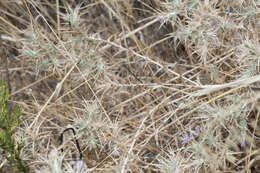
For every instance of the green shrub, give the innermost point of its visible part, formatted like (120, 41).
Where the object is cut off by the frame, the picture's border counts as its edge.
(9, 121)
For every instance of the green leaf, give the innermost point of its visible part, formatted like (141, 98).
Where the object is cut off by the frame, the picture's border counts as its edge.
(9, 121)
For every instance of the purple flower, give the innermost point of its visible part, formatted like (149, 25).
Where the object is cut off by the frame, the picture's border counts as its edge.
(198, 130)
(187, 139)
(243, 144)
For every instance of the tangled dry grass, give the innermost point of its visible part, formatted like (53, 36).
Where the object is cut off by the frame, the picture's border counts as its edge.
(150, 86)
